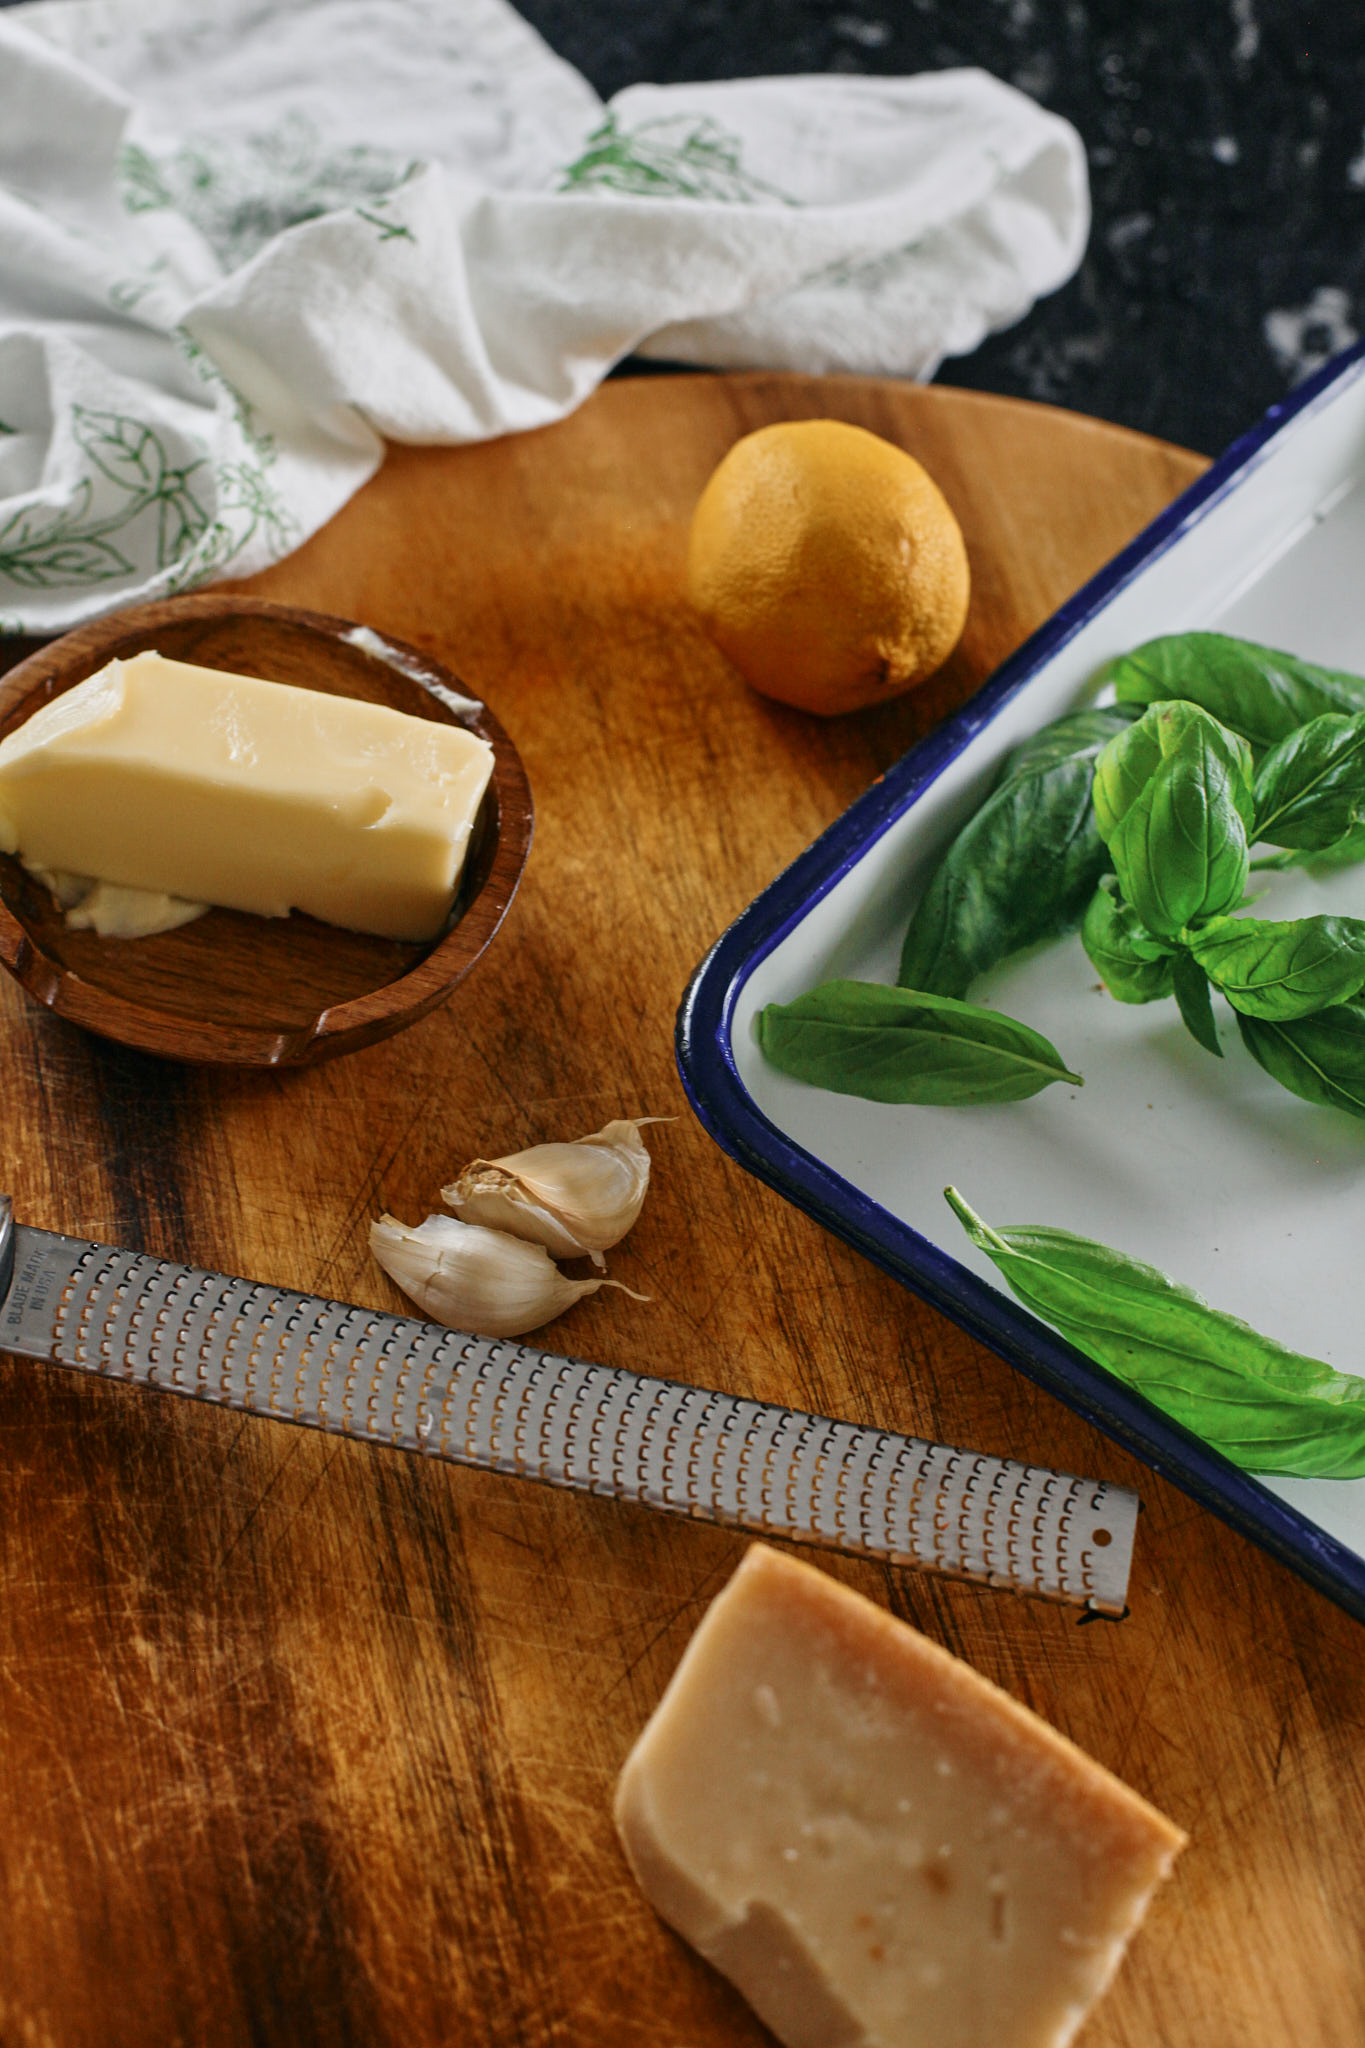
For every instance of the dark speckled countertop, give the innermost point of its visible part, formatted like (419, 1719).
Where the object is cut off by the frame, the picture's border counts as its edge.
(1227, 162)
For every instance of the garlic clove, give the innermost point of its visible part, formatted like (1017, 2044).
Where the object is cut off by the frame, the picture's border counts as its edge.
(476, 1279)
(573, 1198)
(487, 1194)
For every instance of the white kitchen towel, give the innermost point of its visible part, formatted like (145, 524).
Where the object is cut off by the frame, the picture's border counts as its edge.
(244, 242)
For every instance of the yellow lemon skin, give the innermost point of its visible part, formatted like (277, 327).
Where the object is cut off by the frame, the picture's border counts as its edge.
(826, 564)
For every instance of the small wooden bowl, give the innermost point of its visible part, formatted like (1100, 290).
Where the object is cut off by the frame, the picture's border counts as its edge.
(240, 991)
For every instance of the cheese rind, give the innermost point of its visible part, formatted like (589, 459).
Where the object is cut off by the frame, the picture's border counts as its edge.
(875, 1844)
(258, 796)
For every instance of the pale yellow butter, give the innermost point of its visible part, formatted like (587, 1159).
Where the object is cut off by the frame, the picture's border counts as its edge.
(225, 789)
(114, 912)
(880, 1848)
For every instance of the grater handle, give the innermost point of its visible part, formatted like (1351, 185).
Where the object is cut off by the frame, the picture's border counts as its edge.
(512, 1408)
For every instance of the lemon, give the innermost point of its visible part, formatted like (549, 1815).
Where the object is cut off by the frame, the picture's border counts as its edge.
(826, 564)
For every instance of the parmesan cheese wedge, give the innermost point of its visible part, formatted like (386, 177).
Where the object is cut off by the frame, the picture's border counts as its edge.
(875, 1844)
(216, 788)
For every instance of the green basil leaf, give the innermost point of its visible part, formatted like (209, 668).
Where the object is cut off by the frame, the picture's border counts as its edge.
(1321, 1058)
(1347, 850)
(1077, 732)
(1134, 966)
(1132, 758)
(1267, 1408)
(1327, 860)
(1180, 850)
(1280, 972)
(905, 1045)
(1310, 789)
(1023, 868)
(1257, 691)
(1190, 985)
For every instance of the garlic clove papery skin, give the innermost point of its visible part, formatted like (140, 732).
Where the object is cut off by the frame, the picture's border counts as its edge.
(573, 1198)
(476, 1279)
(495, 1198)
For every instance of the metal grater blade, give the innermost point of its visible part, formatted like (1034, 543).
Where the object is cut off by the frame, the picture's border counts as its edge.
(512, 1408)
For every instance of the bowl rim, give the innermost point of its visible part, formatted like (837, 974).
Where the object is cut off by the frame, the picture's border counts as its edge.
(341, 1027)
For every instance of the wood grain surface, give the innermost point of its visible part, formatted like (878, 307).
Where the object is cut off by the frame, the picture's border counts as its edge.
(305, 1742)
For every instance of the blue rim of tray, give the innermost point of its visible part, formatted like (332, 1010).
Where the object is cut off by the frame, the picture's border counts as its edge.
(729, 1113)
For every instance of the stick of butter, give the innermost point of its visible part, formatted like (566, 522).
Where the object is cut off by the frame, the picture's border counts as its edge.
(876, 1845)
(219, 788)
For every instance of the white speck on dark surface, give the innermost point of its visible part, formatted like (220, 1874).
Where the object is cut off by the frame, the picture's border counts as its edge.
(1355, 169)
(1037, 77)
(869, 35)
(1303, 338)
(1248, 39)
(1129, 228)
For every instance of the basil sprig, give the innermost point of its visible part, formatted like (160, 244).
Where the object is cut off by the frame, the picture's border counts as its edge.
(1023, 867)
(1267, 1408)
(1134, 822)
(907, 1045)
(1135, 755)
(1173, 802)
(1257, 691)
(1177, 800)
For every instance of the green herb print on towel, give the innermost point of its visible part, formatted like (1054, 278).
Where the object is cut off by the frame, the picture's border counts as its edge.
(45, 547)
(241, 195)
(677, 156)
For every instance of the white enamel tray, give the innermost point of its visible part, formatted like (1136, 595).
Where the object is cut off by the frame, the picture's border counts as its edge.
(1206, 1169)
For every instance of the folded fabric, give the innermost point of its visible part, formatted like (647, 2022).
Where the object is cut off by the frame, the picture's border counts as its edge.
(241, 247)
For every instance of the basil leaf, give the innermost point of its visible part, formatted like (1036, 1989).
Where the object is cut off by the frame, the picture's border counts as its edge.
(1342, 853)
(1053, 744)
(1267, 1408)
(1191, 989)
(1310, 789)
(1023, 868)
(1132, 758)
(1280, 972)
(1347, 850)
(1134, 967)
(905, 1045)
(1258, 691)
(1180, 848)
(1321, 1058)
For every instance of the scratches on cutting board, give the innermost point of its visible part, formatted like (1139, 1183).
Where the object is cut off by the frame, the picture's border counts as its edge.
(148, 1114)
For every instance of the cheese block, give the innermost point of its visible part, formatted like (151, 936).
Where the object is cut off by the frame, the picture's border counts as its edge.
(226, 789)
(876, 1845)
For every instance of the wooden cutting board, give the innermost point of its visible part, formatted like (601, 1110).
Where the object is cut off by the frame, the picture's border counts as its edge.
(305, 1742)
